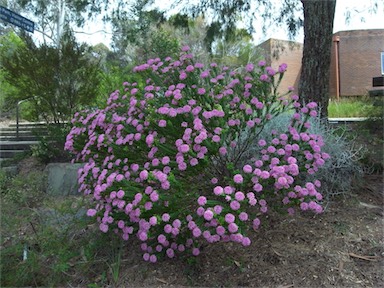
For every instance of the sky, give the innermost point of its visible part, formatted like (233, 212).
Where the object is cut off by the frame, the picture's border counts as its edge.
(360, 19)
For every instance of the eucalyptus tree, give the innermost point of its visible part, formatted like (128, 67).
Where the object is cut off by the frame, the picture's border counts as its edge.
(131, 24)
(53, 18)
(318, 32)
(316, 16)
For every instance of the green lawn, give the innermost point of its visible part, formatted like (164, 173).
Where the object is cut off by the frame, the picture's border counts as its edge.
(351, 108)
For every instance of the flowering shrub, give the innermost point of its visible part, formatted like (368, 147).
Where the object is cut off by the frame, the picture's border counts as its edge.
(168, 161)
(337, 174)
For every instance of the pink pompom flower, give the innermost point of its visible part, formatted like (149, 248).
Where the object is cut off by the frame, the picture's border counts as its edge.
(238, 178)
(202, 200)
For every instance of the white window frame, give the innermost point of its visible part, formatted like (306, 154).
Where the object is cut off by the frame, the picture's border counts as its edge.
(382, 63)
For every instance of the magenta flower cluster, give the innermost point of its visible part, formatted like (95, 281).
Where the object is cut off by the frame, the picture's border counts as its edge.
(162, 158)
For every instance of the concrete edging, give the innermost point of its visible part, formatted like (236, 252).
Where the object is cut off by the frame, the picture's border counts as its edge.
(62, 178)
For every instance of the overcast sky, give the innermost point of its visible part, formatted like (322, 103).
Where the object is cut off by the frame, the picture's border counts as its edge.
(360, 19)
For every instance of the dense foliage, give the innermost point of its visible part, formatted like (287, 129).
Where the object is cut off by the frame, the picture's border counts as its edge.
(170, 158)
(57, 82)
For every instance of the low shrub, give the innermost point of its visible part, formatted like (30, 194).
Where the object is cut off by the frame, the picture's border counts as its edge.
(4, 179)
(50, 145)
(337, 174)
(179, 158)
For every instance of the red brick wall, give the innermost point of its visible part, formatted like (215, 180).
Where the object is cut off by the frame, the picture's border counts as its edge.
(277, 52)
(359, 61)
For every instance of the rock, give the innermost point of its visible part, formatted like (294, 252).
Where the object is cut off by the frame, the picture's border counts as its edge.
(62, 179)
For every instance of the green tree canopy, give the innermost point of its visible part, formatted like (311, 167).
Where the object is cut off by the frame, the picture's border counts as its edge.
(317, 20)
(56, 81)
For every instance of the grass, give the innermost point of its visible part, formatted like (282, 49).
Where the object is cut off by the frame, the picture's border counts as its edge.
(370, 131)
(16, 158)
(46, 241)
(356, 107)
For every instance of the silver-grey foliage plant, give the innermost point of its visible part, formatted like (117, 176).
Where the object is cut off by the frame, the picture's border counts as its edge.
(337, 174)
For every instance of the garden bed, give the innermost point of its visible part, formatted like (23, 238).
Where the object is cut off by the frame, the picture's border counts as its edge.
(342, 247)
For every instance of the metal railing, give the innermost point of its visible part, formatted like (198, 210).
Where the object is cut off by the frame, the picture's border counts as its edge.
(18, 112)
(18, 116)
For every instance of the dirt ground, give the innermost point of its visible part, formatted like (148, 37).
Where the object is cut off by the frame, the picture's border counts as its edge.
(344, 247)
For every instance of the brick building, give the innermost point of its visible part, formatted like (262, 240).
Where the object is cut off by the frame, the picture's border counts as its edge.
(356, 52)
(276, 51)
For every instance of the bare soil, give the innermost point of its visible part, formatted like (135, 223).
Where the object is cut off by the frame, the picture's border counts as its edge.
(343, 247)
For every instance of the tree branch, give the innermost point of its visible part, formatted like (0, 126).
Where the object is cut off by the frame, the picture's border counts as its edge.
(91, 33)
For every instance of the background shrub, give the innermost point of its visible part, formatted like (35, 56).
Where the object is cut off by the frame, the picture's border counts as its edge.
(344, 165)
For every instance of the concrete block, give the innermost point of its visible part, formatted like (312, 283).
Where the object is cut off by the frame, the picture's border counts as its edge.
(62, 178)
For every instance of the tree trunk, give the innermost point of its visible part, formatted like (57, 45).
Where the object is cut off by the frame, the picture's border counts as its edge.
(60, 21)
(318, 31)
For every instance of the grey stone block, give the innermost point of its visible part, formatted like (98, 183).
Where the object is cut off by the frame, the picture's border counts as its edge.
(62, 179)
